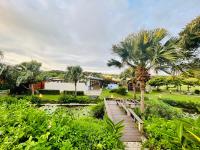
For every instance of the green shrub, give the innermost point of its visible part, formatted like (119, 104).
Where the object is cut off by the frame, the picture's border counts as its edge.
(165, 134)
(98, 110)
(196, 91)
(156, 108)
(50, 92)
(120, 90)
(78, 99)
(35, 100)
(188, 105)
(79, 93)
(25, 127)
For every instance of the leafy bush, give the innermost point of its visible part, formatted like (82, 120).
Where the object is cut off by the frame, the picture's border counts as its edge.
(35, 100)
(159, 109)
(196, 91)
(120, 90)
(98, 110)
(79, 93)
(165, 134)
(50, 92)
(26, 127)
(188, 105)
(78, 99)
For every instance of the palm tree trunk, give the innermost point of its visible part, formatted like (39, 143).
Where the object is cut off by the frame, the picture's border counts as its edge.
(75, 92)
(142, 90)
(188, 88)
(134, 89)
(32, 89)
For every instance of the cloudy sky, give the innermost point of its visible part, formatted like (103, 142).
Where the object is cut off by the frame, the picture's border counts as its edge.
(59, 33)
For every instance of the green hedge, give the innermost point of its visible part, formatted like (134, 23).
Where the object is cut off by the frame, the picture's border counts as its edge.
(188, 105)
(79, 93)
(120, 90)
(78, 99)
(50, 92)
(157, 108)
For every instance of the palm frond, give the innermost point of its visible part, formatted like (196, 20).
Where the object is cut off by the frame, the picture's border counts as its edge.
(114, 62)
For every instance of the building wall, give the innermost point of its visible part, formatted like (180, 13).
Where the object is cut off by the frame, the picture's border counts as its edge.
(65, 86)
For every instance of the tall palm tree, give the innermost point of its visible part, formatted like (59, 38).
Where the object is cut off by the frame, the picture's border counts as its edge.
(74, 73)
(144, 51)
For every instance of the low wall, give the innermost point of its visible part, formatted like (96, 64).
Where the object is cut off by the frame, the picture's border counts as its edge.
(65, 86)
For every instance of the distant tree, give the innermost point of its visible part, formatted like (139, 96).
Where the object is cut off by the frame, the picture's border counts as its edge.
(144, 51)
(190, 82)
(74, 74)
(28, 73)
(157, 81)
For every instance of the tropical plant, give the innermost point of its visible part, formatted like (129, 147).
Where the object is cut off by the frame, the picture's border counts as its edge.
(74, 74)
(144, 51)
(115, 128)
(186, 135)
(98, 110)
(22, 126)
(190, 38)
(28, 72)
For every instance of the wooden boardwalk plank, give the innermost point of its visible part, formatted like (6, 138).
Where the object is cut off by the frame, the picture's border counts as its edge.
(116, 114)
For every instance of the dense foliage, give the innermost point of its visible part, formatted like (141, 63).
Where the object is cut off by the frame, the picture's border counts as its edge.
(25, 127)
(163, 127)
(165, 134)
(160, 109)
(120, 90)
(189, 105)
(98, 110)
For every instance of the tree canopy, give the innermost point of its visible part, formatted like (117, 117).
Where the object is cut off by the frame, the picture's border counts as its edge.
(190, 37)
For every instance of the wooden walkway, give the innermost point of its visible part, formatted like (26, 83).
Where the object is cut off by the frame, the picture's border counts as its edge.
(116, 114)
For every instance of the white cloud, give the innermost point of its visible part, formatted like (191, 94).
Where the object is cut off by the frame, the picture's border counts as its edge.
(60, 33)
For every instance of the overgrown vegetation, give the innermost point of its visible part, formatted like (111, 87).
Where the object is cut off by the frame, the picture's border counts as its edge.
(187, 104)
(24, 127)
(120, 90)
(98, 110)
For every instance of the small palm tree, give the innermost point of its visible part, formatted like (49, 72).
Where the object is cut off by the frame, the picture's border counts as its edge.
(74, 73)
(129, 73)
(144, 51)
(28, 73)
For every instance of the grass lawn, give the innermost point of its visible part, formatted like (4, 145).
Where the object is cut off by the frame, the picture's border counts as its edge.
(106, 93)
(50, 97)
(174, 96)
(153, 95)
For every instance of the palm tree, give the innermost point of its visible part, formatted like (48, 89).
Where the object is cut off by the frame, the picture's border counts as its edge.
(28, 73)
(144, 51)
(129, 73)
(74, 73)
